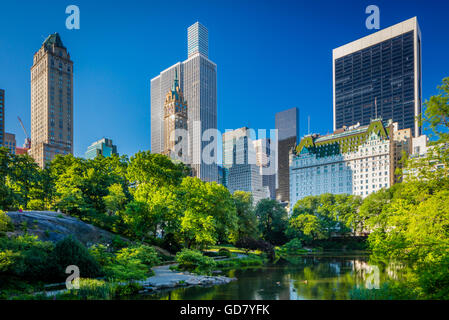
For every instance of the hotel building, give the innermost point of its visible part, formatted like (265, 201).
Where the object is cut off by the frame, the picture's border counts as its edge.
(356, 160)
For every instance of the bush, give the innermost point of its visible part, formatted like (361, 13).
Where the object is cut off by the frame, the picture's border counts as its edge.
(224, 252)
(293, 245)
(27, 257)
(194, 260)
(71, 252)
(253, 244)
(4, 221)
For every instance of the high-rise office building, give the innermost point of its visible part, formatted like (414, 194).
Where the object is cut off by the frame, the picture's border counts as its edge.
(103, 147)
(379, 76)
(2, 117)
(265, 158)
(10, 142)
(51, 101)
(239, 161)
(197, 40)
(287, 124)
(198, 82)
(175, 123)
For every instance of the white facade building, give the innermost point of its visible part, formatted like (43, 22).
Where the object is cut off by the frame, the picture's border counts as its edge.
(356, 160)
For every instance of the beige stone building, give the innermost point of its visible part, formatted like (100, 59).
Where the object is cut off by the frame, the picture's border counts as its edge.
(175, 123)
(51, 101)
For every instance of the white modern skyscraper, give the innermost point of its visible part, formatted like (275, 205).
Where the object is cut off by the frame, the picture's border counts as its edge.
(198, 81)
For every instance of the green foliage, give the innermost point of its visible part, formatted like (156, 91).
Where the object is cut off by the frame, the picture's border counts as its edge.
(131, 263)
(387, 291)
(320, 217)
(4, 221)
(71, 252)
(251, 261)
(247, 226)
(292, 246)
(194, 260)
(26, 257)
(272, 218)
(224, 252)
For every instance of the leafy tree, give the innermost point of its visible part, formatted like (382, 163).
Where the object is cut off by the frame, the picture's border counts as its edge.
(272, 218)
(198, 227)
(247, 221)
(223, 211)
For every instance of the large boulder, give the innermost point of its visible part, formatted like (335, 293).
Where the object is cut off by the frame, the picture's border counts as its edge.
(55, 226)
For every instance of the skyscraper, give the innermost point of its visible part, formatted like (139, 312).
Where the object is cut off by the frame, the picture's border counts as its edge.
(103, 147)
(2, 117)
(51, 101)
(239, 161)
(287, 124)
(198, 82)
(379, 76)
(175, 123)
(265, 157)
(10, 142)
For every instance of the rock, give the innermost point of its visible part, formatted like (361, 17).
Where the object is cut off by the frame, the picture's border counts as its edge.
(54, 226)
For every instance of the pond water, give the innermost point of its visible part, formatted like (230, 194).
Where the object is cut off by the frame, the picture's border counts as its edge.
(329, 276)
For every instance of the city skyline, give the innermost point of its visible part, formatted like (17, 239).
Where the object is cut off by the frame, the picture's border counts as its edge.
(230, 102)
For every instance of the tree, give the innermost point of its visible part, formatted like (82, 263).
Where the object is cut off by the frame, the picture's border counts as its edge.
(223, 211)
(247, 221)
(198, 227)
(272, 218)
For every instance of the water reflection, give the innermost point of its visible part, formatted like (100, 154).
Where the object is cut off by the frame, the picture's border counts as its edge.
(329, 277)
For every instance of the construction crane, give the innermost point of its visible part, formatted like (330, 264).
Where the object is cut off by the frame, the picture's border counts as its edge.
(27, 138)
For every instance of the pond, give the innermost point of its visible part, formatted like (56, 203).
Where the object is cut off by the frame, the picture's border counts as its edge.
(327, 276)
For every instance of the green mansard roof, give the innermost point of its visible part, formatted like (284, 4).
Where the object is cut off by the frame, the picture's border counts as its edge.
(53, 39)
(342, 141)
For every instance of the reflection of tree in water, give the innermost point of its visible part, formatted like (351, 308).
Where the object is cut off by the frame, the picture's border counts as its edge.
(327, 278)
(307, 277)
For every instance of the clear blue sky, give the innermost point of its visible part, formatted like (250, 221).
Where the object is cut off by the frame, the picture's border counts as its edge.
(271, 55)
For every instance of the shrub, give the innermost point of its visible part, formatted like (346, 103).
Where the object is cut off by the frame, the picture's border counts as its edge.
(71, 252)
(293, 245)
(194, 260)
(4, 221)
(224, 252)
(253, 244)
(36, 204)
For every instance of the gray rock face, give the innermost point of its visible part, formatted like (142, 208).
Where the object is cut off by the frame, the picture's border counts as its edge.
(54, 226)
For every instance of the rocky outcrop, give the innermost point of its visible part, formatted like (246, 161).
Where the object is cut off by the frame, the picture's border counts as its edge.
(55, 226)
(165, 278)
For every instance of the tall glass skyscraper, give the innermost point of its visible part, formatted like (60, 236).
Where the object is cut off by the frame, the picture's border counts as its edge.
(197, 40)
(379, 76)
(198, 81)
(287, 124)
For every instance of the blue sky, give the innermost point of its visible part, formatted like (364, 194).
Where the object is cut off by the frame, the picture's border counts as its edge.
(271, 55)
